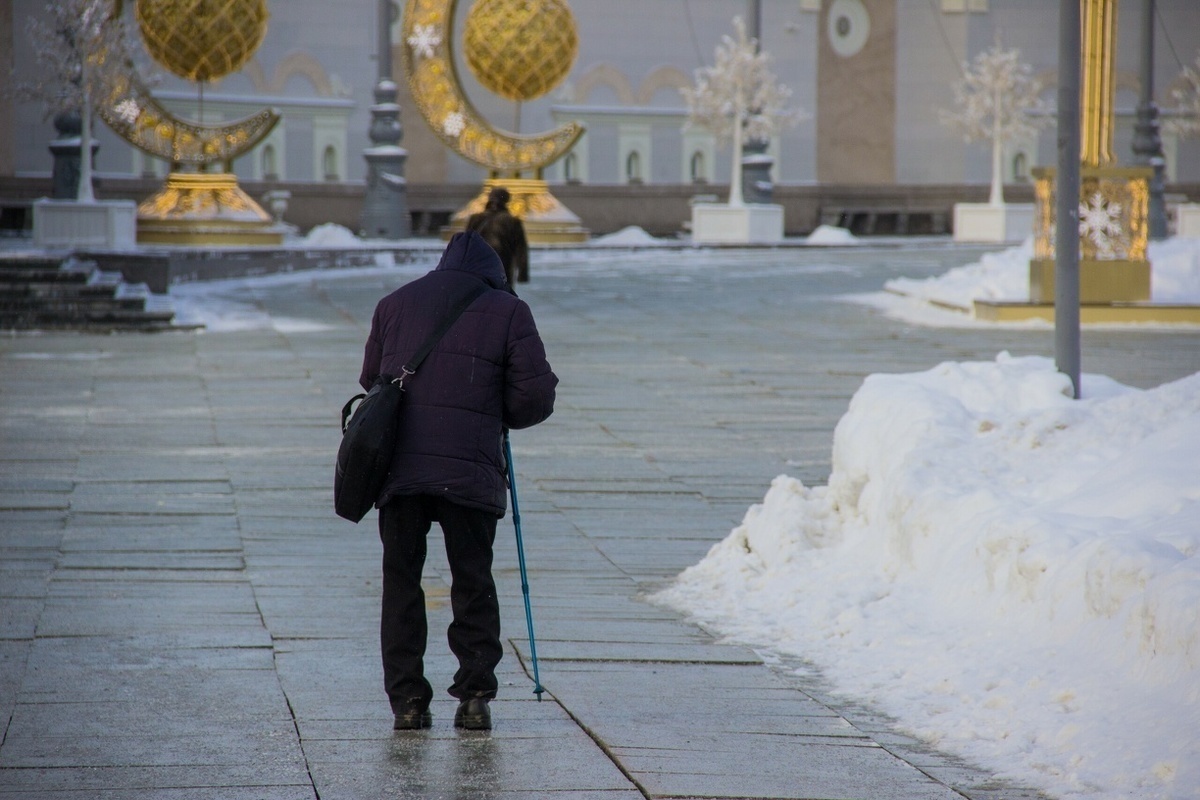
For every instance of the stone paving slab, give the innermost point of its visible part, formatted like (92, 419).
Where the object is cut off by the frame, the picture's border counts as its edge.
(182, 616)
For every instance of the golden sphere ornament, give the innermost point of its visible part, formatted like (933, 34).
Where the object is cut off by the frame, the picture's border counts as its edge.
(202, 40)
(520, 49)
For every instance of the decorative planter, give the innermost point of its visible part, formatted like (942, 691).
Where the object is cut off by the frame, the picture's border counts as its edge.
(754, 223)
(983, 222)
(107, 224)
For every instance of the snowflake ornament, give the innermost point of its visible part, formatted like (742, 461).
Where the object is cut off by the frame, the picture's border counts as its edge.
(128, 110)
(454, 123)
(424, 41)
(1100, 223)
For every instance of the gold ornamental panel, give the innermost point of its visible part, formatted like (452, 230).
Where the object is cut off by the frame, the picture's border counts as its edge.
(1113, 213)
(427, 33)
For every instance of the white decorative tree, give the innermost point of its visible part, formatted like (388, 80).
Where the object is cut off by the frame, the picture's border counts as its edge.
(738, 98)
(73, 43)
(1185, 118)
(995, 100)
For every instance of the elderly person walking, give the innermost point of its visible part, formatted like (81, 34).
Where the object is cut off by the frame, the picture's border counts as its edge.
(487, 373)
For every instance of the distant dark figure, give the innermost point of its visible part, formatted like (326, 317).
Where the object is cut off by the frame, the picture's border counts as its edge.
(504, 233)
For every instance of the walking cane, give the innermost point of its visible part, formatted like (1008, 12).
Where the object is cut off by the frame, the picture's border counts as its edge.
(512, 488)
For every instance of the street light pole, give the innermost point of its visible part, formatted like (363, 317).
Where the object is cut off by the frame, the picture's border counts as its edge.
(385, 205)
(1147, 143)
(756, 163)
(1066, 268)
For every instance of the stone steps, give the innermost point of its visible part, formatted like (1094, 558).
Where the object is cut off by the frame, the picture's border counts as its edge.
(46, 292)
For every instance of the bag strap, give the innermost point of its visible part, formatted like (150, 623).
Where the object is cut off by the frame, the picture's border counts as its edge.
(450, 318)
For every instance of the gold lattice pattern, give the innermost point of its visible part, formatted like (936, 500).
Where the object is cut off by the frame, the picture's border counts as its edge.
(202, 40)
(520, 49)
(1113, 221)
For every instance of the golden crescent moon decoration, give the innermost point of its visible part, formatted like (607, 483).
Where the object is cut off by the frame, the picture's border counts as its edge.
(427, 37)
(127, 106)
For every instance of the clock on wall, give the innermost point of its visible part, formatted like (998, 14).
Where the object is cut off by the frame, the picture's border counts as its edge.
(848, 26)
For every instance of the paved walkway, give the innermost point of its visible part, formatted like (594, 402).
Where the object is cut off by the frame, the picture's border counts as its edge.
(182, 616)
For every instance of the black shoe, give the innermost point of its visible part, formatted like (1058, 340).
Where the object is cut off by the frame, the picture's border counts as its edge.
(473, 714)
(413, 718)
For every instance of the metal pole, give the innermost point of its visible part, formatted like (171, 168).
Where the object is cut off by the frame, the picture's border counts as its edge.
(385, 40)
(1066, 265)
(1147, 143)
(756, 164)
(512, 488)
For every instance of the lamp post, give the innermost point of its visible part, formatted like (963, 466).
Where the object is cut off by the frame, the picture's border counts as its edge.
(756, 163)
(1147, 143)
(385, 207)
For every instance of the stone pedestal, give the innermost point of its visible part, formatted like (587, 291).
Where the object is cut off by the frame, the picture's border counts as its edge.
(1187, 220)
(202, 208)
(103, 224)
(718, 223)
(984, 222)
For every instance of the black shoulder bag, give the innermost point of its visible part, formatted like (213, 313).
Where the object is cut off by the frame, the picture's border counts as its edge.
(369, 436)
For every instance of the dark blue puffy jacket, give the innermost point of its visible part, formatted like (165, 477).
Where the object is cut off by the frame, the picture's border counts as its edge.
(488, 372)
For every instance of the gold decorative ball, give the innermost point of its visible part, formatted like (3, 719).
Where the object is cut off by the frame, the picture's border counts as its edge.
(520, 49)
(202, 40)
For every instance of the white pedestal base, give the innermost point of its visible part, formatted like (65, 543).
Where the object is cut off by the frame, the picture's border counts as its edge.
(983, 222)
(1187, 220)
(756, 223)
(108, 224)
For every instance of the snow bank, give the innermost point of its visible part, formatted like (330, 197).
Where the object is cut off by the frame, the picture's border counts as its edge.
(1004, 275)
(631, 235)
(331, 234)
(996, 276)
(828, 234)
(1013, 574)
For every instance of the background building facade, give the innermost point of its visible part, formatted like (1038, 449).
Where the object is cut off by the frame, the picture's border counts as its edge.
(870, 76)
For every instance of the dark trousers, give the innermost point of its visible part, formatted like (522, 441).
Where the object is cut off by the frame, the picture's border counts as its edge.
(474, 635)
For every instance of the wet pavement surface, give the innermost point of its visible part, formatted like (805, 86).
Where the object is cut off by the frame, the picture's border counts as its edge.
(183, 616)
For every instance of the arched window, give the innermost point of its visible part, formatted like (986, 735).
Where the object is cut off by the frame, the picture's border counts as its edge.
(329, 160)
(1021, 167)
(571, 168)
(270, 168)
(633, 167)
(699, 173)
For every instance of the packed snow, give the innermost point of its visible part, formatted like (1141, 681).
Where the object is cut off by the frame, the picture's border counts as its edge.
(1012, 574)
(829, 234)
(1004, 276)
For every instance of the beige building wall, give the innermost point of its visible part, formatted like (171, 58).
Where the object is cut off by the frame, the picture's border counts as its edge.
(856, 92)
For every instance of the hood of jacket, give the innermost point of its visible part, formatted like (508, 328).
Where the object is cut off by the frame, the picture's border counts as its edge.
(470, 252)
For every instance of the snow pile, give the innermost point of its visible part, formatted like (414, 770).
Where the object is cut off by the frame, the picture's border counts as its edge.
(1175, 271)
(996, 276)
(331, 234)
(1004, 275)
(631, 235)
(1012, 574)
(828, 234)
